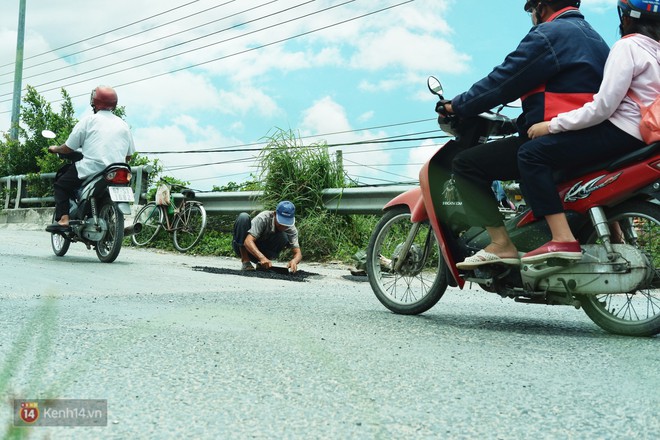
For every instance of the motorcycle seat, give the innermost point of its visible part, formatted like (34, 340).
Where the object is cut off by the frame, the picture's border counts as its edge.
(609, 165)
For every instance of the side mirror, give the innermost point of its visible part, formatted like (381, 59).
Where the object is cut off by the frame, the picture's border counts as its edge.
(434, 86)
(48, 134)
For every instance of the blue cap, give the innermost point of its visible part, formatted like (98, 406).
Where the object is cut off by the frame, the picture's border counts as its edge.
(285, 213)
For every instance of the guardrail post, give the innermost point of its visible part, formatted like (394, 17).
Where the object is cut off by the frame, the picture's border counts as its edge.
(19, 192)
(8, 194)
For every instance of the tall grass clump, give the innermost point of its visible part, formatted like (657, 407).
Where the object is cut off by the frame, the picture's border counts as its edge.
(289, 170)
(292, 171)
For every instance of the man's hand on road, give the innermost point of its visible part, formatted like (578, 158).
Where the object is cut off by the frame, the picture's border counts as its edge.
(265, 263)
(293, 266)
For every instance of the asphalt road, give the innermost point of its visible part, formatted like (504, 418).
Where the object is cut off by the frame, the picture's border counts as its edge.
(183, 353)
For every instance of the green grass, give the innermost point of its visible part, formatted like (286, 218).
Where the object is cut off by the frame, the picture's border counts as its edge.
(289, 170)
(323, 237)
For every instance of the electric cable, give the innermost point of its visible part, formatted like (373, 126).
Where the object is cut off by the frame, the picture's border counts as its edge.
(229, 55)
(104, 33)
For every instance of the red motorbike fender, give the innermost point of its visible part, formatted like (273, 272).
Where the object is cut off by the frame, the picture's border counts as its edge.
(413, 199)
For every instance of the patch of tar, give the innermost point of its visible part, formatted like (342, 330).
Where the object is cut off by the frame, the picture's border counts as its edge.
(299, 276)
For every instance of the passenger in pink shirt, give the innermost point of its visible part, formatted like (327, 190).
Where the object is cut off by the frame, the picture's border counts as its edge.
(605, 128)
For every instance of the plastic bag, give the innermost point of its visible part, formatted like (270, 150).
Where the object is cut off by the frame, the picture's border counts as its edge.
(163, 194)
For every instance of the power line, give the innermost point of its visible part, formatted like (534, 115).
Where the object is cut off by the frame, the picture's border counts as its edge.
(342, 144)
(130, 36)
(312, 136)
(233, 54)
(190, 50)
(377, 169)
(106, 32)
(137, 57)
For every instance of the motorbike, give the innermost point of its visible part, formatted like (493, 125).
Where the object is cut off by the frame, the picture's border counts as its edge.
(97, 212)
(612, 207)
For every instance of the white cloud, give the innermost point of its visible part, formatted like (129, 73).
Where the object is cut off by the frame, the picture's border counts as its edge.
(202, 169)
(419, 155)
(400, 48)
(327, 116)
(599, 5)
(241, 93)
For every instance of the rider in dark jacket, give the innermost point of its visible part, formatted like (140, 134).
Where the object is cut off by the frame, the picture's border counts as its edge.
(557, 67)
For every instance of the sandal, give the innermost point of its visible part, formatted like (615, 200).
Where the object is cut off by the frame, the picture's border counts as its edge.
(483, 258)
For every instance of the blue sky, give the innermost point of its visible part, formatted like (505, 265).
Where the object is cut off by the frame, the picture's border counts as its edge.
(222, 75)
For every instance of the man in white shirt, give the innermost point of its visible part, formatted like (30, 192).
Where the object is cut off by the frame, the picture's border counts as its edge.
(102, 138)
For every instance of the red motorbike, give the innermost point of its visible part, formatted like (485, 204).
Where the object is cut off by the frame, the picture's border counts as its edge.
(612, 208)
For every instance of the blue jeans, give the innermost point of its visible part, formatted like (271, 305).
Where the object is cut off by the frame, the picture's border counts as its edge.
(539, 158)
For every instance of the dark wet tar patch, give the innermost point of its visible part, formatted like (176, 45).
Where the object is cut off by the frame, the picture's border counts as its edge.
(356, 278)
(300, 276)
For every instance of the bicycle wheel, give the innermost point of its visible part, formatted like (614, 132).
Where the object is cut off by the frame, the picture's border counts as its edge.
(151, 218)
(189, 226)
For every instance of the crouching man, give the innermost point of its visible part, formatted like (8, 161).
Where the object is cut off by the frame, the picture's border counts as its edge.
(262, 238)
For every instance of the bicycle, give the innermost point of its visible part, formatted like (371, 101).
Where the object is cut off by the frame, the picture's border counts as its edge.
(187, 225)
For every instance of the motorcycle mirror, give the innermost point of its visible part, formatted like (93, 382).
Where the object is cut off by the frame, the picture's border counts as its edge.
(48, 134)
(434, 85)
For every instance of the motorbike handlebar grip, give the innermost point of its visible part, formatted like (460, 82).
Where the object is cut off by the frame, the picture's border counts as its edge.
(440, 107)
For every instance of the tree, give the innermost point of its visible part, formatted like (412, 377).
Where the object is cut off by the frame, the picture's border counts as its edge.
(29, 154)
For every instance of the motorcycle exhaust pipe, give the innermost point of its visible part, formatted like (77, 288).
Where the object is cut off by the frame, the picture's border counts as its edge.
(133, 229)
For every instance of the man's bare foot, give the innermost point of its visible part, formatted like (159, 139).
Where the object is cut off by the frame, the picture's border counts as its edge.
(63, 221)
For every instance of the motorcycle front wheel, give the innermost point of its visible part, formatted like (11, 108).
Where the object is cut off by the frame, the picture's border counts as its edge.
(59, 243)
(421, 280)
(107, 249)
(636, 313)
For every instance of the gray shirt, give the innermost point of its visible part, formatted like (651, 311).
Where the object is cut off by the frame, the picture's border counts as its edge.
(263, 225)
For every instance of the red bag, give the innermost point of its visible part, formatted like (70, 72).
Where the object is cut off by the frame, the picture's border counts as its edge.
(649, 126)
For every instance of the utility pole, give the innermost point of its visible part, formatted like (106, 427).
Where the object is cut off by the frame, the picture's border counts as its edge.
(18, 73)
(339, 160)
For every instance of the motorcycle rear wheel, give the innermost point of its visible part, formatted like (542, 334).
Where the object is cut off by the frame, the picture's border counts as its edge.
(59, 243)
(631, 313)
(107, 249)
(421, 282)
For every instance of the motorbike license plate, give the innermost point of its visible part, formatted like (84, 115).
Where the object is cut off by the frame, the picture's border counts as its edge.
(121, 193)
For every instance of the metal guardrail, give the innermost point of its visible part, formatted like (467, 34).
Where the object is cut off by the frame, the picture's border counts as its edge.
(337, 200)
(20, 199)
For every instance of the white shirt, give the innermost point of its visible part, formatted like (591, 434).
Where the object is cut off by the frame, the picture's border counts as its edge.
(633, 63)
(103, 139)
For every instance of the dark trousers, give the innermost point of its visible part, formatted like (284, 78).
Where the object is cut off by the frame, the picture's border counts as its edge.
(540, 157)
(64, 189)
(474, 171)
(269, 244)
